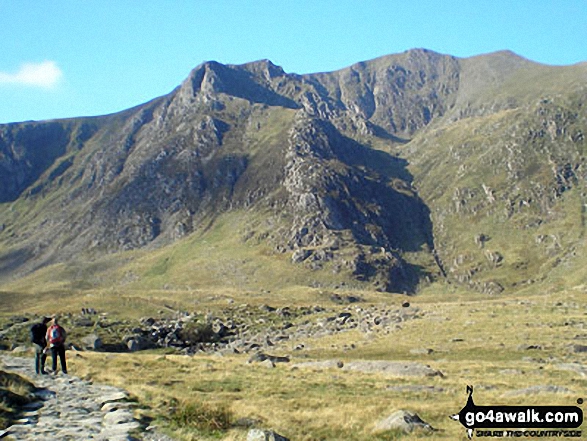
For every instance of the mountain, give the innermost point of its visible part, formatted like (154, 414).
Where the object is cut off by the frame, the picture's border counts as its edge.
(390, 174)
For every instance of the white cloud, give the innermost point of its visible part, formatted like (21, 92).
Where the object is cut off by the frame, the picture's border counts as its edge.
(46, 74)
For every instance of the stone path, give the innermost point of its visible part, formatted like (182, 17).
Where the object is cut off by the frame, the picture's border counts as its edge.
(73, 409)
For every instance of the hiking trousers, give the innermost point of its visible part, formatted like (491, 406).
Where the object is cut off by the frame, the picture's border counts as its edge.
(59, 351)
(40, 358)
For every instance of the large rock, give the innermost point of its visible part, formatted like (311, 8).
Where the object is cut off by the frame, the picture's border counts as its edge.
(264, 435)
(402, 420)
(579, 368)
(261, 357)
(92, 342)
(393, 368)
(539, 389)
(319, 365)
(138, 343)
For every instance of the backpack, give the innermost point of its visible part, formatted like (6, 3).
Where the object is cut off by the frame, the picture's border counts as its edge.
(56, 335)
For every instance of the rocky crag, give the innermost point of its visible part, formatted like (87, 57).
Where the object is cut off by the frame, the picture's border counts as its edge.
(392, 173)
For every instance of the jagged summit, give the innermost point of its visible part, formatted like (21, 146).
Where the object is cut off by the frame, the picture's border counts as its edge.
(388, 174)
(251, 81)
(264, 68)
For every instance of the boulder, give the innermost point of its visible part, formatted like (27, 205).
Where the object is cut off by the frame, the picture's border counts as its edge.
(525, 347)
(300, 255)
(421, 351)
(578, 368)
(404, 421)
(83, 322)
(318, 365)
(264, 435)
(91, 342)
(133, 345)
(539, 389)
(393, 368)
(261, 357)
(268, 364)
(147, 321)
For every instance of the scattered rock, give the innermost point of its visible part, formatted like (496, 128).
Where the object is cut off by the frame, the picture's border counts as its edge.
(540, 389)
(300, 255)
(138, 343)
(83, 322)
(111, 406)
(133, 345)
(511, 372)
(402, 420)
(341, 300)
(148, 321)
(575, 367)
(529, 347)
(264, 435)
(154, 435)
(326, 364)
(112, 394)
(415, 388)
(237, 330)
(421, 351)
(268, 363)
(261, 357)
(492, 287)
(92, 342)
(393, 368)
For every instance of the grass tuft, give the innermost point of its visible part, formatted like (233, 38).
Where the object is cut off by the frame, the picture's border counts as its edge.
(15, 392)
(210, 419)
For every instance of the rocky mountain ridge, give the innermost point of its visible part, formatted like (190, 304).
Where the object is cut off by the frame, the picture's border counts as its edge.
(367, 172)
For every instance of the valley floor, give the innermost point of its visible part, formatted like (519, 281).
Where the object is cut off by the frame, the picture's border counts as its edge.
(525, 350)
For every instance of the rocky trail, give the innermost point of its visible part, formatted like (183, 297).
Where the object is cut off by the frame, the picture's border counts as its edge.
(70, 408)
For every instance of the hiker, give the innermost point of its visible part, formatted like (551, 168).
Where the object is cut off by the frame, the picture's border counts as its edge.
(39, 340)
(56, 339)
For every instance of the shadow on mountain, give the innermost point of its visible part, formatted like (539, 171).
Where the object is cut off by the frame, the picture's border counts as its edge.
(380, 132)
(381, 185)
(14, 260)
(26, 152)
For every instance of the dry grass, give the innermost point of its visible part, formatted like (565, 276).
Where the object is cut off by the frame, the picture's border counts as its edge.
(479, 341)
(15, 391)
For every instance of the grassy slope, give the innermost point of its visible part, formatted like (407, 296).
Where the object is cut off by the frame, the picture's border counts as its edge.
(494, 173)
(215, 264)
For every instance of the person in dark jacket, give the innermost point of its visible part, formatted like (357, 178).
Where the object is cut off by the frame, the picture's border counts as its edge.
(39, 340)
(56, 339)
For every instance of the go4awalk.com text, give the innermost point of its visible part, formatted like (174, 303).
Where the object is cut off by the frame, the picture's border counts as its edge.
(528, 433)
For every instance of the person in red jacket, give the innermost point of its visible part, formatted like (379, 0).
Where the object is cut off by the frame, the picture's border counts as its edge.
(56, 339)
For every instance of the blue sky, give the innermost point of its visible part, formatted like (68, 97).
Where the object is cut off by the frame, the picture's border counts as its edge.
(65, 58)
